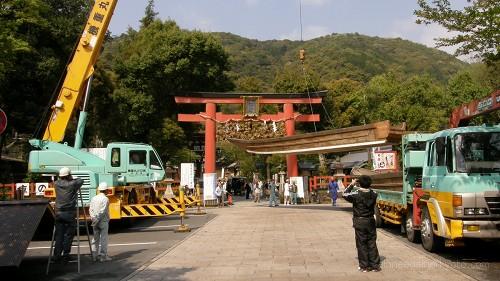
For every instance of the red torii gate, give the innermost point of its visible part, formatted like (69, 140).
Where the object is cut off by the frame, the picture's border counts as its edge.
(251, 103)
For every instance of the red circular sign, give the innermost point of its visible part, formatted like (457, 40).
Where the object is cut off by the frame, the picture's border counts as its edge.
(3, 121)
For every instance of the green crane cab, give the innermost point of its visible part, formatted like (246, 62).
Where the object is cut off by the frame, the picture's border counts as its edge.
(119, 164)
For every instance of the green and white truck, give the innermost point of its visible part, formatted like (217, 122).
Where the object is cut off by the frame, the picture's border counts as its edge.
(448, 189)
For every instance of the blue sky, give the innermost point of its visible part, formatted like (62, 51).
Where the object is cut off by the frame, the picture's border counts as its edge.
(279, 19)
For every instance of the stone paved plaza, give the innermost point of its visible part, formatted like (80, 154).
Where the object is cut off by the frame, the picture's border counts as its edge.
(254, 242)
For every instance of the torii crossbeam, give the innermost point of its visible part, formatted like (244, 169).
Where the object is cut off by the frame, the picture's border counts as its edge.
(251, 103)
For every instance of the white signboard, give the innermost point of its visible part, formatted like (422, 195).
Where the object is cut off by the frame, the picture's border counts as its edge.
(299, 181)
(385, 160)
(187, 175)
(25, 186)
(209, 182)
(40, 188)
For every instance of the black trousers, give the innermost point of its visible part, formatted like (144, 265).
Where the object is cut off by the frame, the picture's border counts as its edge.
(366, 242)
(65, 232)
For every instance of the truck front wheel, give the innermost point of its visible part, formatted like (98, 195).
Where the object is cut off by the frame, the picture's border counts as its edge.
(430, 241)
(411, 234)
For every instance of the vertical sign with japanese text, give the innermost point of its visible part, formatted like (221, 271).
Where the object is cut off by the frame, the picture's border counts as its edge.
(187, 175)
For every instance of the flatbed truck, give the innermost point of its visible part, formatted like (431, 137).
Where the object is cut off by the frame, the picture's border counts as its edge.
(448, 189)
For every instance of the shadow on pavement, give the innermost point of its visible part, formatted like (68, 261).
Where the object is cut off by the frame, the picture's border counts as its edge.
(323, 207)
(125, 261)
(35, 266)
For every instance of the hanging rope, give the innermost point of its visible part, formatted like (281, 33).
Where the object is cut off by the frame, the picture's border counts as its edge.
(308, 93)
(300, 18)
(302, 57)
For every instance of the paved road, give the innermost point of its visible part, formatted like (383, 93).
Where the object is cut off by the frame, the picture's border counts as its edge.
(130, 247)
(136, 245)
(254, 242)
(479, 259)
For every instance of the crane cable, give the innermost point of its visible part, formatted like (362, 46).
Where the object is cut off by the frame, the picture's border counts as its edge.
(306, 76)
(302, 57)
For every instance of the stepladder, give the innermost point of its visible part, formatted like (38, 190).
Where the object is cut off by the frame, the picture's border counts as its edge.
(66, 226)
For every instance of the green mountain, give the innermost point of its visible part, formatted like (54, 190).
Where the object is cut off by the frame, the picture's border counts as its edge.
(336, 56)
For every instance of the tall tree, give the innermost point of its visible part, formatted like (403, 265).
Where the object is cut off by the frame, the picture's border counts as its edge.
(462, 88)
(149, 14)
(36, 39)
(477, 26)
(150, 66)
(340, 104)
(293, 79)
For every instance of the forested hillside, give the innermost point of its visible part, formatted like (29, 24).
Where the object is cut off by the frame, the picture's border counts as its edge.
(354, 56)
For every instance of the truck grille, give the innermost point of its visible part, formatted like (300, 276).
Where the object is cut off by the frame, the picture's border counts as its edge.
(493, 205)
(85, 188)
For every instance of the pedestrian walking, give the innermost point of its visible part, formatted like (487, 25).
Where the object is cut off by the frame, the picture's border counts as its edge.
(99, 214)
(333, 189)
(293, 193)
(224, 190)
(363, 201)
(273, 201)
(260, 184)
(67, 189)
(248, 190)
(286, 192)
(218, 194)
(257, 192)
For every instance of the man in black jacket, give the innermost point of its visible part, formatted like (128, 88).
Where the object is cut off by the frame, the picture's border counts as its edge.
(363, 201)
(66, 199)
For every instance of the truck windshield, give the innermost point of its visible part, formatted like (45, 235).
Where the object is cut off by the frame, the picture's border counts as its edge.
(478, 152)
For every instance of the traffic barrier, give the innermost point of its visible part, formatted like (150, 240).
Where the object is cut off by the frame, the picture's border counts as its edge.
(188, 200)
(199, 211)
(147, 210)
(183, 227)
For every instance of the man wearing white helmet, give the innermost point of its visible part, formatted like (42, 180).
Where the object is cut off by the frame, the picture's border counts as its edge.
(99, 213)
(66, 199)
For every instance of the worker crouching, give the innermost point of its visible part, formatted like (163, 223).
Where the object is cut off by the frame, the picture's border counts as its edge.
(363, 201)
(99, 214)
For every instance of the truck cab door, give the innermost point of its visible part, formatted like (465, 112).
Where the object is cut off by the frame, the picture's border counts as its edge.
(137, 165)
(435, 168)
(116, 159)
(156, 171)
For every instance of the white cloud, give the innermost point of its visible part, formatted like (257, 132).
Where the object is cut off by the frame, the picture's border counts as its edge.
(309, 32)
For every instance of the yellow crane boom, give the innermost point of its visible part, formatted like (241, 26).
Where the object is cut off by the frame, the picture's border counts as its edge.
(80, 69)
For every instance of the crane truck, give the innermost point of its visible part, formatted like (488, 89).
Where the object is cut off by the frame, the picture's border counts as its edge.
(450, 188)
